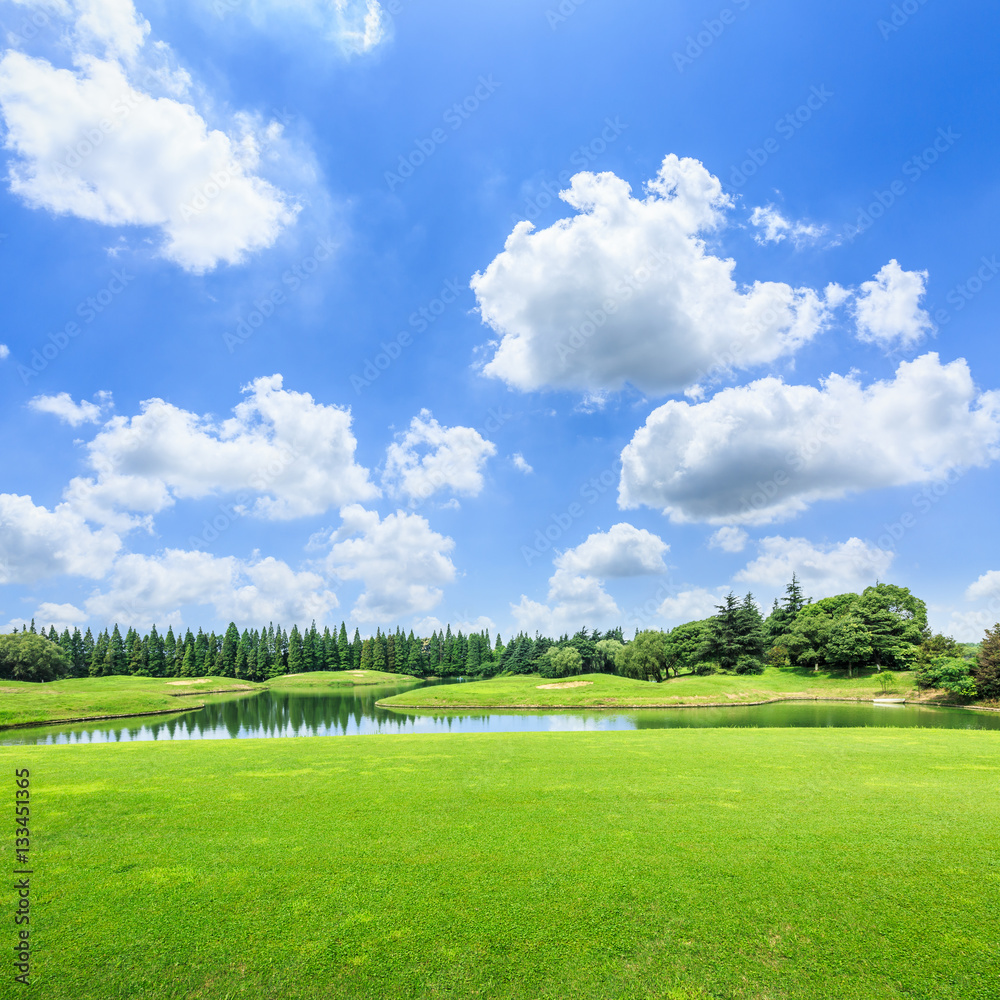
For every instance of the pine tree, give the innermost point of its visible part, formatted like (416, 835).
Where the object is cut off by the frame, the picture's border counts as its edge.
(310, 659)
(794, 600)
(227, 667)
(115, 661)
(172, 668)
(188, 667)
(378, 652)
(241, 667)
(79, 653)
(390, 654)
(415, 659)
(473, 658)
(202, 658)
(157, 659)
(366, 654)
(265, 660)
(137, 657)
(356, 650)
(88, 651)
(295, 659)
(344, 648)
(96, 665)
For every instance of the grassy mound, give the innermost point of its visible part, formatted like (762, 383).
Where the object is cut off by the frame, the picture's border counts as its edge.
(608, 691)
(659, 864)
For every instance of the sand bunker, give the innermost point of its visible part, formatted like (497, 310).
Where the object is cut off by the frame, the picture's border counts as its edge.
(204, 680)
(568, 684)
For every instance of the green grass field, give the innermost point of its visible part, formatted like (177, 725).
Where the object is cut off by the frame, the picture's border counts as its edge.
(608, 691)
(767, 864)
(23, 703)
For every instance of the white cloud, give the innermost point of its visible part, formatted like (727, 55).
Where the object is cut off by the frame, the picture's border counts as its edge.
(988, 585)
(429, 457)
(693, 605)
(767, 450)
(147, 589)
(621, 552)
(626, 291)
(60, 615)
(356, 26)
(426, 626)
(729, 539)
(69, 412)
(36, 543)
(294, 455)
(823, 569)
(775, 227)
(887, 310)
(4, 352)
(573, 602)
(521, 464)
(400, 560)
(89, 142)
(969, 626)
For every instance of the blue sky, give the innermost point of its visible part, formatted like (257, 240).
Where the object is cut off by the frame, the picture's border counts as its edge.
(297, 326)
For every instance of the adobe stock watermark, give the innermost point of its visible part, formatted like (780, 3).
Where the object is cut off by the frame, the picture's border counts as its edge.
(899, 16)
(229, 513)
(217, 182)
(922, 503)
(262, 309)
(88, 310)
(560, 522)
(711, 30)
(31, 27)
(598, 317)
(563, 12)
(913, 170)
(767, 490)
(786, 127)
(420, 321)
(454, 118)
(582, 158)
(91, 139)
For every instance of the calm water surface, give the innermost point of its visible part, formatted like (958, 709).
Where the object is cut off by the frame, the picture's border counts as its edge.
(352, 711)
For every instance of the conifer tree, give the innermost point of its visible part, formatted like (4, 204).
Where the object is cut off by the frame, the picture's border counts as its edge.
(366, 654)
(378, 652)
(170, 653)
(188, 668)
(356, 649)
(157, 659)
(295, 659)
(115, 661)
(344, 648)
(227, 665)
(100, 654)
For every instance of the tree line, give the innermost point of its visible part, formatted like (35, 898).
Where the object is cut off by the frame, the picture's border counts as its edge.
(884, 627)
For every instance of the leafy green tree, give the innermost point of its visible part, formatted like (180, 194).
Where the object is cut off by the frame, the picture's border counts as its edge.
(25, 656)
(949, 673)
(607, 652)
(561, 661)
(986, 672)
(645, 657)
(850, 644)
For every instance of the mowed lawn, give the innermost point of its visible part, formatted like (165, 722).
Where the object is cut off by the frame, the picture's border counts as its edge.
(609, 691)
(823, 863)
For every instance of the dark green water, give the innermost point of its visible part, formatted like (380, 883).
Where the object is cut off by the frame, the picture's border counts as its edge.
(352, 711)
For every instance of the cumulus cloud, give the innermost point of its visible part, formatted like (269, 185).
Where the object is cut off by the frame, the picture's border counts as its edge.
(36, 542)
(521, 464)
(573, 601)
(147, 589)
(823, 569)
(400, 560)
(626, 291)
(766, 451)
(887, 310)
(987, 586)
(88, 141)
(60, 615)
(576, 595)
(729, 539)
(294, 455)
(774, 228)
(429, 457)
(355, 26)
(692, 605)
(68, 411)
(622, 551)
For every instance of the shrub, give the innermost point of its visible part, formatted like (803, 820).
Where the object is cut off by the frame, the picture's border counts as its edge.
(25, 656)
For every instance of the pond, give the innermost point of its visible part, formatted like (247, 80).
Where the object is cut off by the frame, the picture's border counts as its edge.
(352, 711)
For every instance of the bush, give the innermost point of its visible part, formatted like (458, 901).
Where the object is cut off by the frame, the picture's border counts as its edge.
(949, 673)
(25, 656)
(749, 665)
